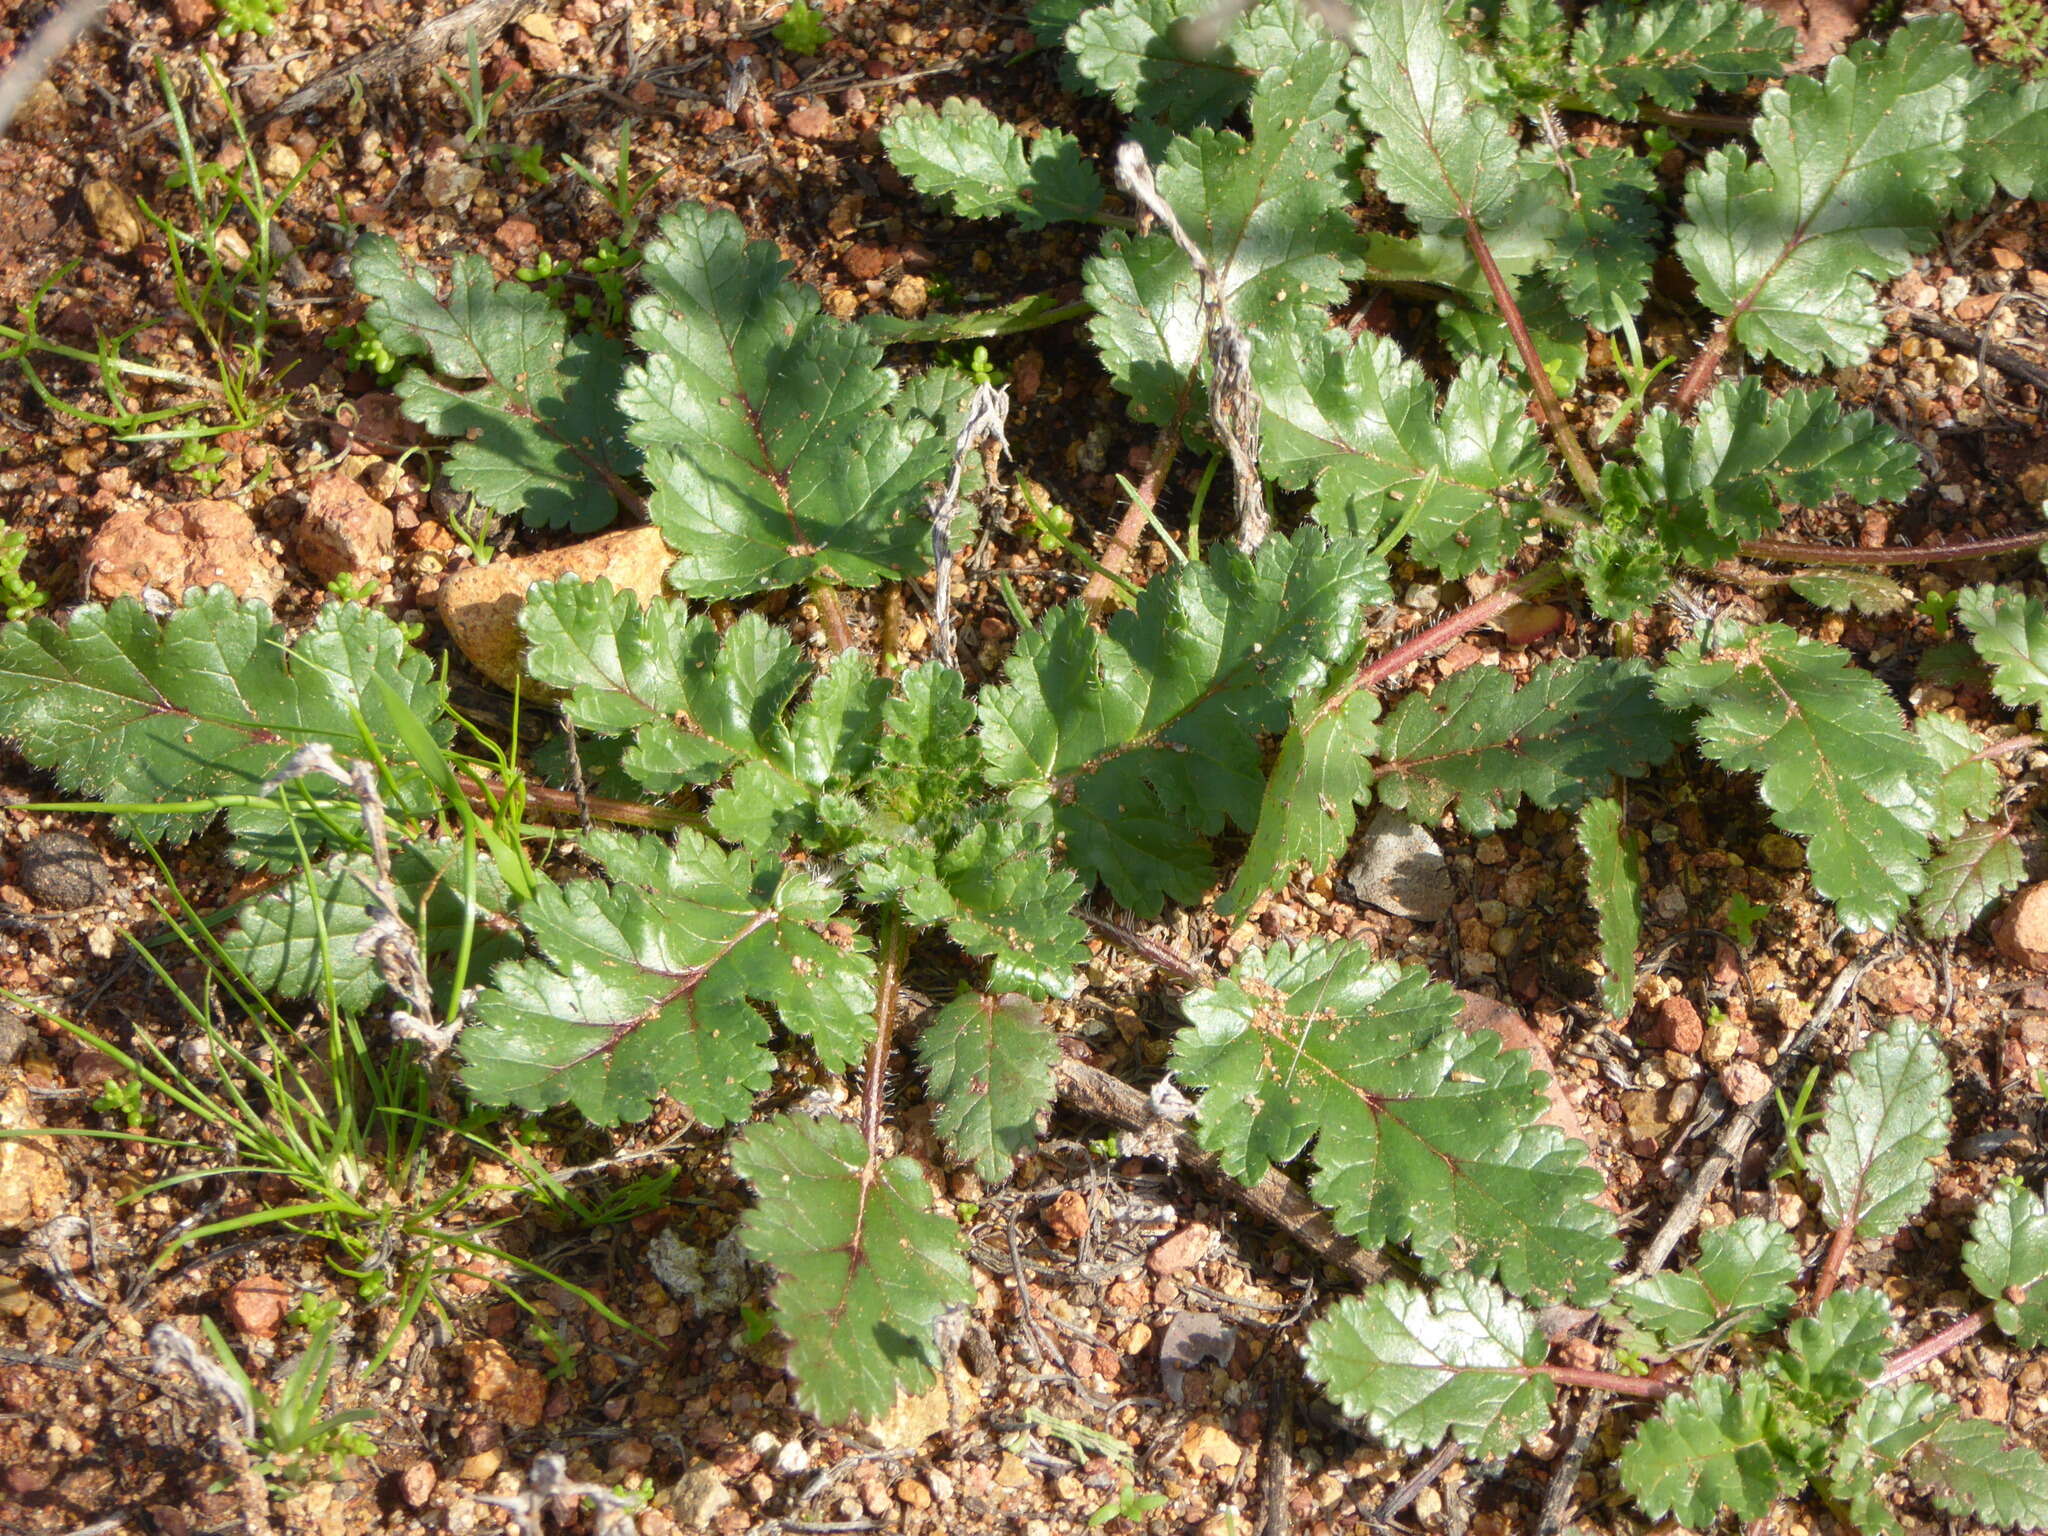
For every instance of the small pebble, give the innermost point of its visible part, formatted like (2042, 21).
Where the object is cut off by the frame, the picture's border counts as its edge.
(63, 870)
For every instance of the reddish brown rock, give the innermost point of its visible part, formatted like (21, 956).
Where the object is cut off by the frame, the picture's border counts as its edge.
(1744, 1082)
(173, 548)
(255, 1306)
(1066, 1217)
(345, 530)
(1677, 1027)
(2021, 930)
(513, 1393)
(812, 122)
(1184, 1250)
(518, 237)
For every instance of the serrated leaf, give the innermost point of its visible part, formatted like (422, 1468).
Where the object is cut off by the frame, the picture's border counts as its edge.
(988, 1068)
(2010, 631)
(1850, 590)
(1444, 152)
(1839, 767)
(1423, 1134)
(780, 450)
(967, 158)
(303, 936)
(1144, 738)
(1476, 333)
(1310, 808)
(1855, 176)
(537, 429)
(1601, 256)
(1132, 52)
(2008, 136)
(1712, 1451)
(1887, 1116)
(1969, 786)
(1832, 1356)
(1360, 422)
(1267, 212)
(1968, 1469)
(651, 985)
(2008, 1252)
(1670, 51)
(1708, 484)
(1886, 1423)
(1971, 871)
(1482, 744)
(864, 1266)
(210, 701)
(1614, 882)
(1415, 1366)
(1744, 1272)
(1625, 573)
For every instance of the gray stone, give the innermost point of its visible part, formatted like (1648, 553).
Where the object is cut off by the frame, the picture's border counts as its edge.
(63, 870)
(1401, 870)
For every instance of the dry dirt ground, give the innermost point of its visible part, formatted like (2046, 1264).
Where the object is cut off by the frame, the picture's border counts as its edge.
(1088, 1263)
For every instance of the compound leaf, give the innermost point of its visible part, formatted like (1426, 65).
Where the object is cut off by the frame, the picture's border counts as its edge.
(1671, 50)
(1968, 1469)
(1856, 174)
(1423, 1134)
(1832, 1356)
(1972, 870)
(1711, 1451)
(779, 447)
(1872, 1443)
(1601, 256)
(1614, 881)
(1483, 744)
(210, 701)
(1887, 1117)
(2010, 631)
(988, 1067)
(967, 158)
(864, 1265)
(1744, 1272)
(1414, 1366)
(1148, 732)
(1310, 808)
(1838, 765)
(651, 985)
(1359, 421)
(538, 430)
(2008, 1253)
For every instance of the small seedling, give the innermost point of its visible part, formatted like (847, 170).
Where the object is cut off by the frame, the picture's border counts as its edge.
(1743, 916)
(1127, 1504)
(19, 597)
(802, 29)
(123, 1096)
(256, 16)
(1796, 1117)
(355, 586)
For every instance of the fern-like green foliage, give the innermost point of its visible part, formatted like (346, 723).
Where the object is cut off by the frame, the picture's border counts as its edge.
(212, 701)
(1668, 51)
(1423, 1134)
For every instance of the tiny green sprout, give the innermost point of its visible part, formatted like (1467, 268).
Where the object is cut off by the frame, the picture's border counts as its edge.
(19, 597)
(755, 1325)
(354, 587)
(201, 459)
(364, 348)
(529, 161)
(967, 1209)
(1938, 609)
(1743, 916)
(314, 1310)
(802, 29)
(257, 16)
(123, 1096)
(1127, 1504)
(1797, 1116)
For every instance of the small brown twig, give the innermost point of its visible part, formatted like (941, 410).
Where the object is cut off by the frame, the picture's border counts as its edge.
(1391, 1507)
(50, 43)
(1941, 554)
(2003, 359)
(1564, 1472)
(832, 617)
(1830, 1272)
(1933, 1347)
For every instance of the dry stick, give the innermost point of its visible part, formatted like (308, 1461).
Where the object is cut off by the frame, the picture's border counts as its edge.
(1564, 1472)
(1831, 1263)
(408, 55)
(1911, 1358)
(2006, 362)
(1411, 1490)
(48, 45)
(1584, 476)
(1944, 554)
(1735, 1135)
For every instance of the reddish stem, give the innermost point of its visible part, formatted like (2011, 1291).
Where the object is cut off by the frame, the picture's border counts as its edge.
(1935, 1345)
(895, 946)
(1700, 375)
(832, 618)
(1428, 642)
(1099, 591)
(1830, 1271)
(1942, 554)
(1608, 1381)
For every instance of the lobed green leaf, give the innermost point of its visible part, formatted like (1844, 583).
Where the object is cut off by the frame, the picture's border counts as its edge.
(967, 158)
(1711, 1451)
(2006, 1259)
(988, 1068)
(1614, 882)
(1669, 51)
(1887, 1117)
(2010, 631)
(1969, 1470)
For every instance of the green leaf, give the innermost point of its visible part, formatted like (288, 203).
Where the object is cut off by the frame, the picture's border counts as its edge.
(1144, 739)
(1969, 787)
(1708, 484)
(1712, 1451)
(538, 430)
(1744, 1273)
(210, 701)
(1144, 55)
(2010, 631)
(1669, 51)
(988, 1066)
(779, 448)
(1309, 810)
(1414, 1366)
(964, 156)
(1601, 256)
(278, 944)
(1967, 1468)
(1856, 175)
(1848, 589)
(1972, 870)
(1872, 1443)
(1269, 213)
(1444, 152)
(1614, 881)
(1423, 1134)
(864, 1266)
(1483, 744)
(650, 985)
(1838, 765)
(1831, 1357)
(2008, 136)
(1360, 422)
(2008, 1252)
(1887, 1117)
(1625, 574)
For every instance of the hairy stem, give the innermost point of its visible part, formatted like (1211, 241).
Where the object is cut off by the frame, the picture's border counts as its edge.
(561, 802)
(1830, 1271)
(1584, 476)
(832, 617)
(1144, 505)
(1445, 632)
(1933, 1347)
(894, 949)
(1700, 376)
(1944, 554)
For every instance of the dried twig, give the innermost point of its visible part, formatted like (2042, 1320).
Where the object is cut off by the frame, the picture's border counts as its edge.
(988, 413)
(173, 1352)
(48, 45)
(549, 1480)
(407, 55)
